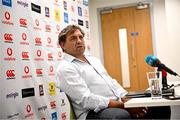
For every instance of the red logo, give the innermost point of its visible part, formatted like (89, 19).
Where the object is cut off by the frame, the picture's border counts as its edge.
(9, 51)
(57, 27)
(38, 41)
(53, 104)
(48, 28)
(49, 40)
(10, 74)
(37, 22)
(50, 56)
(8, 37)
(24, 36)
(59, 54)
(38, 53)
(51, 69)
(26, 69)
(39, 71)
(7, 15)
(23, 22)
(63, 116)
(28, 108)
(25, 55)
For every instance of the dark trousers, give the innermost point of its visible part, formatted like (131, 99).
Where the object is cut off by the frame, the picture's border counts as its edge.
(118, 113)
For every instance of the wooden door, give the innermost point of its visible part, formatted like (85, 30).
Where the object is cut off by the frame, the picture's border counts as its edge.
(137, 23)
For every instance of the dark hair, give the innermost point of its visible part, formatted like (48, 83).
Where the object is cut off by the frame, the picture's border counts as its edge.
(68, 30)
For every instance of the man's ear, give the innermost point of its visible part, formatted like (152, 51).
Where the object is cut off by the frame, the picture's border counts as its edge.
(62, 45)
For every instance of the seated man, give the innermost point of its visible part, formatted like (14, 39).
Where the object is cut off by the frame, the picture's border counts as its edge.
(93, 93)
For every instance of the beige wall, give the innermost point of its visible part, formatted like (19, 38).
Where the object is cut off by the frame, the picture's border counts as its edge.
(165, 28)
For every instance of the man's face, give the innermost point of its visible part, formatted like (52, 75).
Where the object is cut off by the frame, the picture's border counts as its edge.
(74, 44)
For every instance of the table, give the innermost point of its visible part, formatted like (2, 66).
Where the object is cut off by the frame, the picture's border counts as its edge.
(148, 101)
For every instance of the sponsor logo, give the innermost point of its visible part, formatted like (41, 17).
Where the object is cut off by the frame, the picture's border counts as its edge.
(52, 90)
(57, 15)
(12, 95)
(63, 102)
(49, 42)
(35, 8)
(38, 41)
(23, 22)
(66, 19)
(57, 29)
(25, 55)
(22, 3)
(73, 20)
(7, 3)
(26, 71)
(48, 28)
(54, 116)
(43, 118)
(8, 38)
(63, 116)
(13, 116)
(7, 17)
(50, 57)
(59, 56)
(86, 14)
(79, 11)
(56, 3)
(85, 2)
(51, 71)
(65, 5)
(41, 90)
(53, 104)
(29, 111)
(43, 108)
(79, 1)
(47, 13)
(28, 92)
(80, 22)
(24, 38)
(72, 9)
(39, 72)
(87, 24)
(37, 25)
(39, 57)
(9, 52)
(10, 74)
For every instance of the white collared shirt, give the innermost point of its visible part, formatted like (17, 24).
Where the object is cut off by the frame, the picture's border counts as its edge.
(88, 86)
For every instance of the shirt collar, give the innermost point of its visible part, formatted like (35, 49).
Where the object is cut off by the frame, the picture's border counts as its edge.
(70, 58)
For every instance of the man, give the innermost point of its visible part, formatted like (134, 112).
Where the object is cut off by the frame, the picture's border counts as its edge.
(93, 93)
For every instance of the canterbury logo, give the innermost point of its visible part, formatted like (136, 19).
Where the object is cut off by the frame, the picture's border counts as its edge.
(8, 37)
(25, 55)
(10, 73)
(50, 55)
(38, 40)
(23, 21)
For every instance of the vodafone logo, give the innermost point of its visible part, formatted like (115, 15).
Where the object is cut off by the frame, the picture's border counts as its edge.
(26, 69)
(51, 69)
(57, 27)
(10, 74)
(37, 22)
(28, 108)
(24, 36)
(8, 37)
(7, 15)
(9, 51)
(59, 54)
(38, 53)
(49, 40)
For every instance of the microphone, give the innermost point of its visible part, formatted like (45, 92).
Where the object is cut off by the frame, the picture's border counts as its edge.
(155, 62)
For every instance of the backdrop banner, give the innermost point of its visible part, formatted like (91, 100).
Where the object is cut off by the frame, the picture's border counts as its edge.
(30, 54)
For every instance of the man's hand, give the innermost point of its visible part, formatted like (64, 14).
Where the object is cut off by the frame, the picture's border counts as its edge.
(137, 112)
